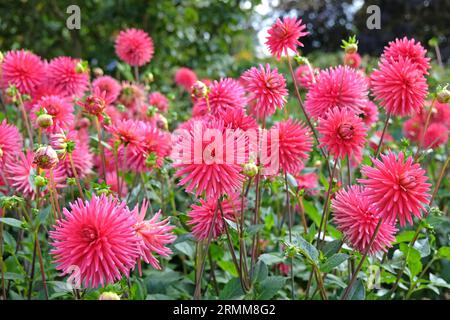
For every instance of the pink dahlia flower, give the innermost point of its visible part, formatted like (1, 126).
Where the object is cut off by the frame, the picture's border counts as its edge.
(352, 60)
(23, 69)
(408, 49)
(435, 136)
(304, 76)
(357, 219)
(63, 74)
(113, 182)
(343, 133)
(154, 235)
(132, 96)
(283, 36)
(10, 142)
(341, 87)
(97, 238)
(399, 86)
(369, 113)
(185, 78)
(224, 95)
(158, 100)
(134, 46)
(266, 88)
(81, 156)
(237, 119)
(59, 108)
(109, 86)
(397, 188)
(201, 217)
(294, 144)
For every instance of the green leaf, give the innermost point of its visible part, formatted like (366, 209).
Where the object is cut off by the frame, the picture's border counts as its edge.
(439, 282)
(358, 291)
(334, 261)
(186, 248)
(260, 272)
(412, 259)
(331, 248)
(308, 250)
(271, 258)
(13, 276)
(423, 246)
(270, 286)
(232, 290)
(404, 236)
(228, 266)
(444, 253)
(13, 222)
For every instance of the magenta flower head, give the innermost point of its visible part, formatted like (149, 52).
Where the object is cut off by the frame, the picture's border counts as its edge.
(283, 36)
(60, 110)
(343, 133)
(185, 78)
(95, 105)
(134, 46)
(109, 86)
(97, 240)
(396, 187)
(408, 49)
(69, 76)
(357, 219)
(10, 142)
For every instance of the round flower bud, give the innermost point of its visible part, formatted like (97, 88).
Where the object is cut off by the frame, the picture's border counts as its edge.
(162, 122)
(44, 121)
(150, 161)
(94, 105)
(82, 67)
(443, 95)
(149, 77)
(98, 72)
(45, 157)
(109, 296)
(351, 48)
(40, 181)
(1, 57)
(250, 169)
(199, 90)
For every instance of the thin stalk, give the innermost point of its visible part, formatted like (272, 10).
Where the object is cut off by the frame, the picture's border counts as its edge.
(349, 171)
(33, 263)
(100, 147)
(136, 73)
(25, 120)
(427, 123)
(55, 193)
(302, 212)
(414, 283)
(386, 124)
(75, 173)
(41, 264)
(213, 274)
(1, 259)
(116, 164)
(288, 205)
(358, 268)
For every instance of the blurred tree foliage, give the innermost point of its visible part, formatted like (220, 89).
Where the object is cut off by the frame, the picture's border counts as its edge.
(201, 34)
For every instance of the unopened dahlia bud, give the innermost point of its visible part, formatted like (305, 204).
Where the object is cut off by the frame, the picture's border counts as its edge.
(40, 181)
(250, 169)
(443, 95)
(106, 119)
(60, 143)
(149, 77)
(1, 57)
(98, 72)
(45, 157)
(82, 67)
(350, 46)
(199, 90)
(109, 296)
(151, 111)
(1, 153)
(44, 120)
(94, 105)
(162, 122)
(301, 60)
(12, 91)
(150, 161)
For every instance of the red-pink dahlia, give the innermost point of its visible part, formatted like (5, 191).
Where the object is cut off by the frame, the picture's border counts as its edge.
(369, 113)
(109, 86)
(237, 119)
(408, 49)
(435, 136)
(201, 217)
(115, 183)
(397, 188)
(357, 219)
(266, 88)
(97, 238)
(352, 60)
(59, 108)
(154, 235)
(341, 87)
(185, 78)
(283, 36)
(158, 100)
(23, 69)
(305, 76)
(65, 74)
(399, 86)
(294, 144)
(10, 142)
(134, 46)
(343, 133)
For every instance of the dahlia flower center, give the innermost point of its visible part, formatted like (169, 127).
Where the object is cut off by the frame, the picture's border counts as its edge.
(346, 131)
(89, 233)
(407, 181)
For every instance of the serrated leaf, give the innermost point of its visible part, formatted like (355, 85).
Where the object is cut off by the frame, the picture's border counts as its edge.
(334, 261)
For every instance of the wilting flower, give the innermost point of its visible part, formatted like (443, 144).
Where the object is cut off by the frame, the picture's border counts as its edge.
(341, 87)
(97, 238)
(10, 142)
(201, 217)
(224, 95)
(154, 235)
(283, 36)
(60, 109)
(304, 76)
(294, 144)
(109, 86)
(185, 77)
(45, 158)
(343, 133)
(267, 89)
(408, 49)
(399, 86)
(397, 188)
(358, 220)
(158, 100)
(352, 60)
(66, 76)
(134, 46)
(23, 69)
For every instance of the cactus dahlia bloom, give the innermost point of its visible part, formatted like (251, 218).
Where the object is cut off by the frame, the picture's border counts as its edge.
(400, 87)
(357, 219)
(158, 100)
(59, 108)
(341, 87)
(266, 88)
(23, 69)
(134, 46)
(408, 49)
(185, 78)
(304, 76)
(109, 86)
(283, 36)
(154, 235)
(343, 133)
(396, 187)
(201, 217)
(369, 113)
(64, 75)
(10, 142)
(96, 238)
